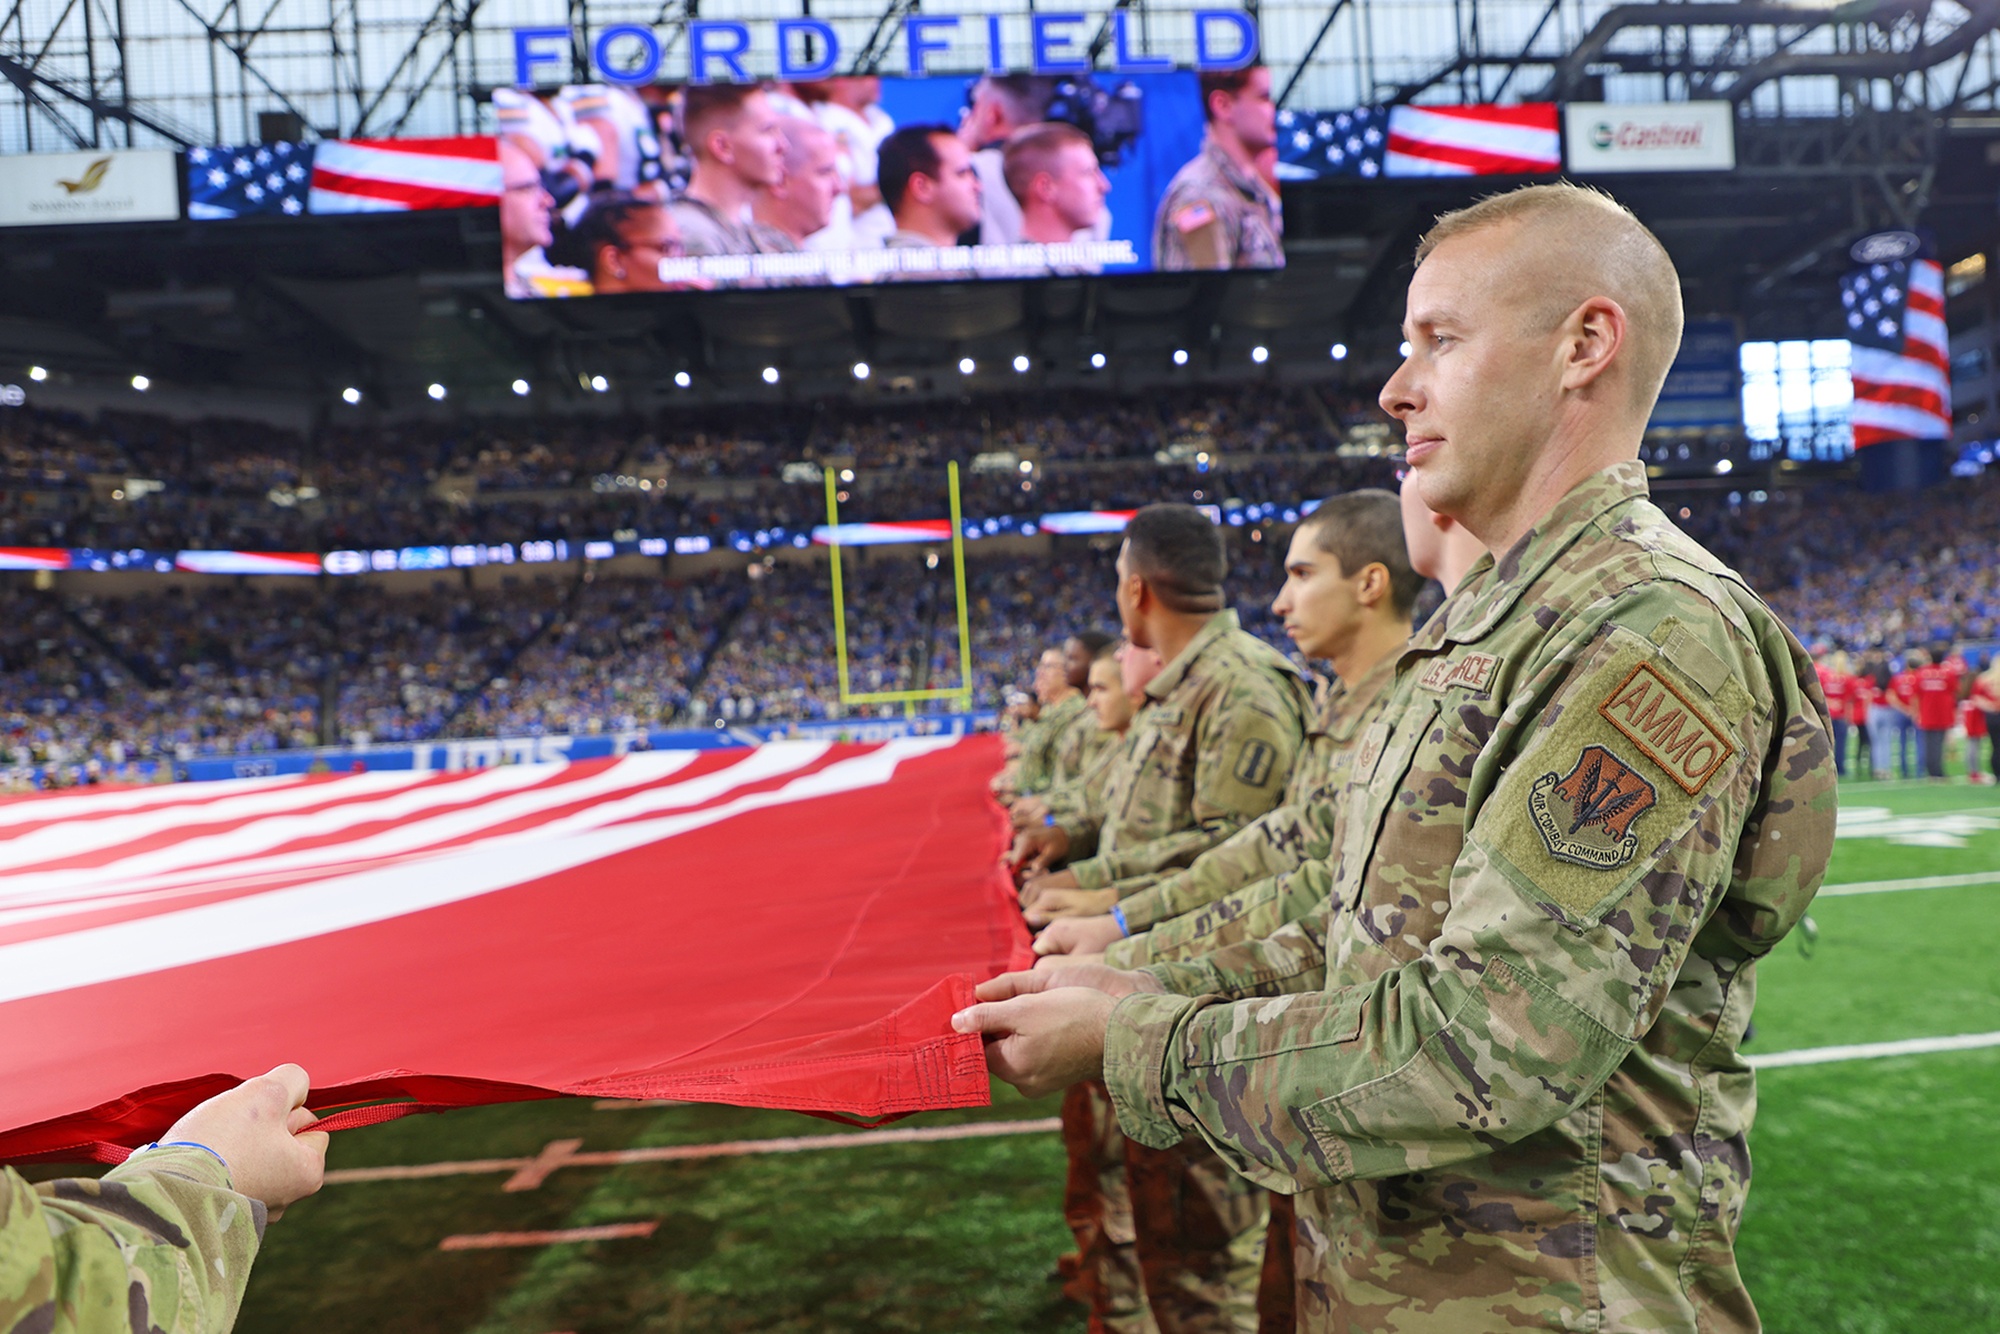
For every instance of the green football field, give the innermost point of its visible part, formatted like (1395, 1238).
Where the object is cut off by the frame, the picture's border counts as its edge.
(1875, 1204)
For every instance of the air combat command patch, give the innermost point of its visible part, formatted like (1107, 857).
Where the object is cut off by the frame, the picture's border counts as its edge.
(1586, 815)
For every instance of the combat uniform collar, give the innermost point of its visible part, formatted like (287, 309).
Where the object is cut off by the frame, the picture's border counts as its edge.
(1170, 677)
(1492, 587)
(1343, 707)
(1246, 184)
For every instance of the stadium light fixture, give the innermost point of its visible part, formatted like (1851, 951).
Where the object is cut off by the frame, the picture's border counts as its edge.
(521, 388)
(966, 365)
(770, 375)
(1180, 356)
(350, 396)
(141, 383)
(1021, 364)
(1403, 349)
(38, 373)
(860, 370)
(437, 392)
(847, 474)
(600, 384)
(1260, 354)
(682, 379)
(1723, 466)
(1339, 351)
(1097, 361)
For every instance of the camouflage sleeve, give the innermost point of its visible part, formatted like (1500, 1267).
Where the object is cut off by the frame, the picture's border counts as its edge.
(160, 1245)
(1034, 769)
(1082, 743)
(1245, 749)
(1277, 841)
(1565, 931)
(1252, 913)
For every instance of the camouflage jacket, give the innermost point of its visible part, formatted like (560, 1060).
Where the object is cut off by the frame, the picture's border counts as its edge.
(1511, 1092)
(1215, 215)
(1073, 801)
(1082, 743)
(1210, 752)
(1034, 766)
(1283, 839)
(160, 1244)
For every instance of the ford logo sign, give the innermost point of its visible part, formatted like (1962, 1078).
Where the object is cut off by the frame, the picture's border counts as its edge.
(1885, 247)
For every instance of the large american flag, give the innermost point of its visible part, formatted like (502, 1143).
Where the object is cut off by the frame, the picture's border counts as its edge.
(1403, 141)
(342, 176)
(1902, 356)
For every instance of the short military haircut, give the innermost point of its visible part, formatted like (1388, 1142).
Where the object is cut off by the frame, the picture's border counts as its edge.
(1096, 643)
(1363, 528)
(1032, 150)
(710, 106)
(1231, 81)
(1026, 97)
(1585, 244)
(1179, 554)
(910, 151)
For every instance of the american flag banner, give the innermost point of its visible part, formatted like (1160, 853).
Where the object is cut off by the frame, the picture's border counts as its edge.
(1316, 144)
(249, 180)
(787, 926)
(396, 175)
(342, 176)
(1474, 140)
(1901, 352)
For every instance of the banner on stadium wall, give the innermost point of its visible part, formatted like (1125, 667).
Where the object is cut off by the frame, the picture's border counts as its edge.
(54, 189)
(1402, 142)
(1669, 136)
(289, 180)
(1895, 312)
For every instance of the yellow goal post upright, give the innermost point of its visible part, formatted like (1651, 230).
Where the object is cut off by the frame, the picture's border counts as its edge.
(962, 692)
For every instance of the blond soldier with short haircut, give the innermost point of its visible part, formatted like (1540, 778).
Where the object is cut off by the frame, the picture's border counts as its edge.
(733, 132)
(1506, 1077)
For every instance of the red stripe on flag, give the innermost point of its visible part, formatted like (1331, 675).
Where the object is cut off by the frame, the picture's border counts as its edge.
(1528, 115)
(1477, 161)
(1926, 400)
(476, 148)
(399, 192)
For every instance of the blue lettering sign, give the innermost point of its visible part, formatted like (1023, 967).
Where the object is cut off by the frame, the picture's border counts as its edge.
(1130, 61)
(725, 42)
(644, 72)
(527, 54)
(1205, 55)
(915, 29)
(1051, 40)
(803, 69)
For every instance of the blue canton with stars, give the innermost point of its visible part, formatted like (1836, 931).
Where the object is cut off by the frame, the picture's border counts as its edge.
(251, 180)
(1313, 144)
(1876, 298)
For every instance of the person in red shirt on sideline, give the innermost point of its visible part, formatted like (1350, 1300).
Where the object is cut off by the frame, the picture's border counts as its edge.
(1937, 686)
(1974, 722)
(1986, 700)
(1860, 708)
(1837, 685)
(1901, 700)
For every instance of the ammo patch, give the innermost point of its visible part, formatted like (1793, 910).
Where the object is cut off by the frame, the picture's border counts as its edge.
(1255, 762)
(1474, 670)
(1667, 728)
(1586, 815)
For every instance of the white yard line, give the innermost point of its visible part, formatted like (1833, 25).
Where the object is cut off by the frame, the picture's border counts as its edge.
(1920, 882)
(1869, 1051)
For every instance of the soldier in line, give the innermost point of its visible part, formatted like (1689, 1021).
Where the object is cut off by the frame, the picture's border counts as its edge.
(930, 186)
(1051, 172)
(1218, 211)
(801, 204)
(1063, 740)
(1115, 690)
(733, 134)
(1505, 1079)
(1210, 752)
(164, 1241)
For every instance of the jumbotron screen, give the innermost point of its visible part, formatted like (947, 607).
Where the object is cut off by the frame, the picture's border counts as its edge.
(862, 179)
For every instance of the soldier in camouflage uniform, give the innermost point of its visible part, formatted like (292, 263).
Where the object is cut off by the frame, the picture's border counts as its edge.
(163, 1243)
(1504, 1076)
(1063, 743)
(1210, 752)
(1217, 212)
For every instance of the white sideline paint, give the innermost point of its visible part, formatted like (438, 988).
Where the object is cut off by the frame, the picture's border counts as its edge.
(1921, 882)
(1869, 1051)
(560, 1154)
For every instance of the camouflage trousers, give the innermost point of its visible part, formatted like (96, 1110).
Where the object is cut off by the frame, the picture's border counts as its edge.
(1169, 1240)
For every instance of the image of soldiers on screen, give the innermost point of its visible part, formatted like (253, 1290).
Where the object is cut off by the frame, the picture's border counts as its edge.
(930, 186)
(527, 229)
(849, 107)
(999, 106)
(734, 138)
(1052, 175)
(802, 203)
(1220, 211)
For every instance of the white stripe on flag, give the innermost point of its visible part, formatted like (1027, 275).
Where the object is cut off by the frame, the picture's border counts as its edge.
(1873, 365)
(472, 175)
(1927, 279)
(219, 930)
(183, 796)
(1928, 329)
(1481, 135)
(1900, 420)
(336, 201)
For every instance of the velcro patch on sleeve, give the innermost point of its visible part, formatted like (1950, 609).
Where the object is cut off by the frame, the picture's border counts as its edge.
(1255, 762)
(1194, 217)
(1667, 727)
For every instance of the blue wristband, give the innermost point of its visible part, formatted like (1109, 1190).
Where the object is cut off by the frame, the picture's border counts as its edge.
(182, 1144)
(1049, 820)
(1118, 916)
